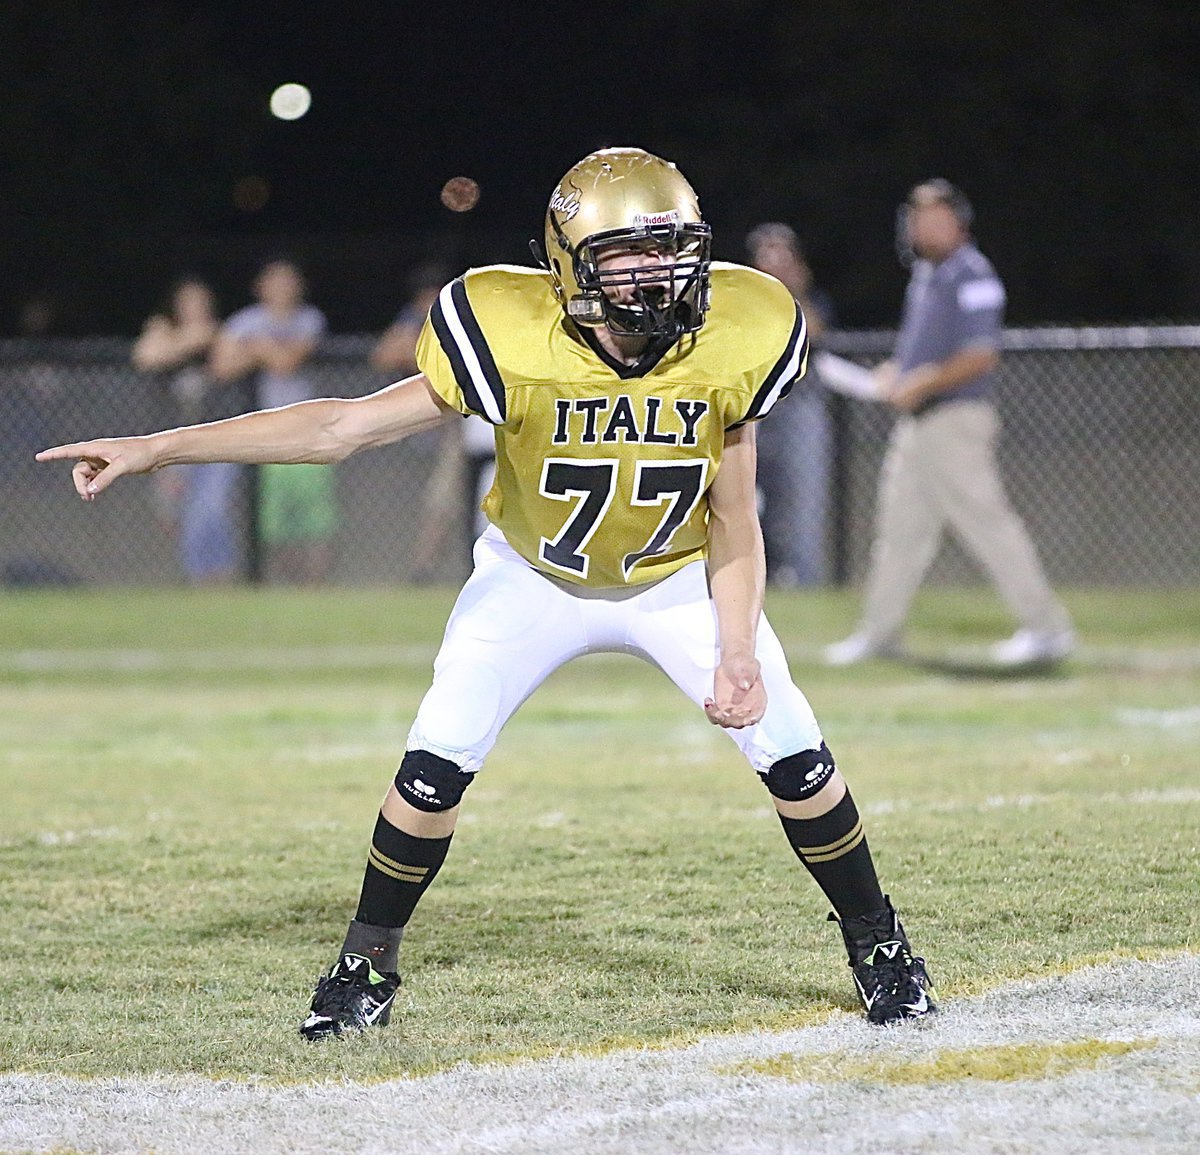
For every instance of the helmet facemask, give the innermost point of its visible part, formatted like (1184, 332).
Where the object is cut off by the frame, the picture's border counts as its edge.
(664, 299)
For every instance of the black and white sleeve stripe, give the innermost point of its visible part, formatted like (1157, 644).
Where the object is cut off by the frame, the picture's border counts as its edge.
(463, 342)
(783, 375)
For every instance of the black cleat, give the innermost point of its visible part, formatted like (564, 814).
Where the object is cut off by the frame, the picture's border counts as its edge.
(892, 982)
(352, 997)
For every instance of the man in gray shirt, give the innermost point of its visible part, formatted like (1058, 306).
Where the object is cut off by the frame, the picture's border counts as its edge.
(941, 464)
(274, 339)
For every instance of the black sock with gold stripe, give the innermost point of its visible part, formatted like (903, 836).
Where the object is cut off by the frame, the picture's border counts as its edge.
(834, 849)
(399, 870)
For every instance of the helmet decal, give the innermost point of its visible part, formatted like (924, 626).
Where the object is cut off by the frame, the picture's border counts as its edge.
(666, 217)
(566, 204)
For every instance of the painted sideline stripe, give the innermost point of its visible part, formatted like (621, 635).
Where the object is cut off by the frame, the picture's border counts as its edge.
(147, 660)
(1180, 796)
(974, 660)
(139, 659)
(1105, 1059)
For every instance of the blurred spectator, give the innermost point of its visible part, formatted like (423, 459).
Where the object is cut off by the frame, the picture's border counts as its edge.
(794, 448)
(466, 449)
(941, 463)
(273, 339)
(395, 352)
(31, 395)
(197, 501)
(32, 390)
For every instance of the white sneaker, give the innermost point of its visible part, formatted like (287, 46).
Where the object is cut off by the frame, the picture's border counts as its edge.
(1029, 647)
(858, 648)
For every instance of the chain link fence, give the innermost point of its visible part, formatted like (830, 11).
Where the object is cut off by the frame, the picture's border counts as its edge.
(1101, 454)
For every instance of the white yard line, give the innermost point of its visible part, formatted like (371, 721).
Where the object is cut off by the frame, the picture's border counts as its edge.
(86, 662)
(702, 1099)
(1182, 796)
(1187, 718)
(152, 660)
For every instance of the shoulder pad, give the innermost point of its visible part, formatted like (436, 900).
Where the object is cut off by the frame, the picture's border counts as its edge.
(477, 316)
(757, 316)
(749, 291)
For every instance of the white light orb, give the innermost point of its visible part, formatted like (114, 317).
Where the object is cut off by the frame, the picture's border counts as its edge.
(290, 101)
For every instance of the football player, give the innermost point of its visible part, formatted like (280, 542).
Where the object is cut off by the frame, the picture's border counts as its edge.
(623, 380)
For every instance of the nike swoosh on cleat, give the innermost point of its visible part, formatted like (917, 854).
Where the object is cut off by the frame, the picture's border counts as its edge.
(319, 1027)
(919, 1007)
(383, 1007)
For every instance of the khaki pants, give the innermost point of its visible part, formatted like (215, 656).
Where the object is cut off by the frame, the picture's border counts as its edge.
(941, 470)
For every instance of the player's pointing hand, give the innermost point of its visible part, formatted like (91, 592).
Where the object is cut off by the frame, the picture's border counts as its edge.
(100, 463)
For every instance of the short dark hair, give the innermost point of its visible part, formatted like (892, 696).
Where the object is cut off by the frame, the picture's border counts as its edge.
(773, 233)
(428, 275)
(941, 191)
(279, 258)
(167, 304)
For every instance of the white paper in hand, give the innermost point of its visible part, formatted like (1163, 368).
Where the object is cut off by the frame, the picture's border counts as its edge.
(846, 377)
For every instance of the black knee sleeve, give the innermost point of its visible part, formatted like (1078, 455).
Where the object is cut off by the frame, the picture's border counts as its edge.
(431, 783)
(800, 776)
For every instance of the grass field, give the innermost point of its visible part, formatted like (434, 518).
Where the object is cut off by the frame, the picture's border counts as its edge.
(189, 782)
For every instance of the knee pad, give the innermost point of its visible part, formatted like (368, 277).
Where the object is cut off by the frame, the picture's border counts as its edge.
(431, 783)
(800, 776)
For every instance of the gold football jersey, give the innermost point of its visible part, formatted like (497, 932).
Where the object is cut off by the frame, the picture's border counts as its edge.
(602, 474)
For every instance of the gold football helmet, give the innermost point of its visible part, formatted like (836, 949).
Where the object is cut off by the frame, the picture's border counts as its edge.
(627, 197)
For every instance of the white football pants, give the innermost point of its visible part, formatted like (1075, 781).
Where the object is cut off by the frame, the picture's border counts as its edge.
(512, 626)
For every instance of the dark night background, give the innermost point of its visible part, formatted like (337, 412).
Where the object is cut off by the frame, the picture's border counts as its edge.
(125, 129)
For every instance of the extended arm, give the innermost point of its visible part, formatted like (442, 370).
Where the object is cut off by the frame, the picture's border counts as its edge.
(908, 391)
(321, 432)
(737, 576)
